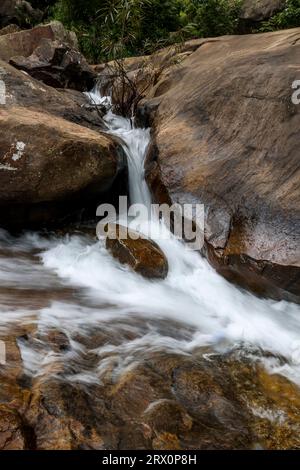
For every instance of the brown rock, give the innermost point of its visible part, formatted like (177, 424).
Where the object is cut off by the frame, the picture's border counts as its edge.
(143, 73)
(33, 98)
(7, 10)
(159, 400)
(230, 140)
(11, 437)
(12, 395)
(131, 64)
(22, 90)
(166, 441)
(141, 254)
(168, 416)
(25, 42)
(57, 65)
(47, 160)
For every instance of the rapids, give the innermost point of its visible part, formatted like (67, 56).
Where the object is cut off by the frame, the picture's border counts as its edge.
(72, 283)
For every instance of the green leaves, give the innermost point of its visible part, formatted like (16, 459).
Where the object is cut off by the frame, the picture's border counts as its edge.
(288, 18)
(211, 17)
(117, 28)
(110, 29)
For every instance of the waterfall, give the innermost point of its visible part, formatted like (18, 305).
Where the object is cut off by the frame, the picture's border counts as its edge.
(135, 144)
(201, 308)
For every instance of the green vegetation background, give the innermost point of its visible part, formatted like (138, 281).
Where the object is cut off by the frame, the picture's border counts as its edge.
(117, 28)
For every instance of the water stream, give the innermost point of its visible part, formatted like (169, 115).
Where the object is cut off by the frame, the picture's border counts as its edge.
(72, 283)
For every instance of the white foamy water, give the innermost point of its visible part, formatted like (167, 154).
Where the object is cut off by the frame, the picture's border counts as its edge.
(193, 308)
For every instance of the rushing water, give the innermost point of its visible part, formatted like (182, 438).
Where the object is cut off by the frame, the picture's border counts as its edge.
(74, 284)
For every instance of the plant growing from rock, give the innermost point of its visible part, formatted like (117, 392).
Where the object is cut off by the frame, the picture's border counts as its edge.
(124, 18)
(127, 88)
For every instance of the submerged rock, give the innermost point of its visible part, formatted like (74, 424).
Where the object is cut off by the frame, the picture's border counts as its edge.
(231, 142)
(143, 255)
(154, 400)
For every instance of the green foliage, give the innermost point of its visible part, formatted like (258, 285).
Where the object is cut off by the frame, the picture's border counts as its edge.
(77, 11)
(109, 29)
(116, 28)
(121, 22)
(81, 17)
(159, 19)
(288, 18)
(206, 18)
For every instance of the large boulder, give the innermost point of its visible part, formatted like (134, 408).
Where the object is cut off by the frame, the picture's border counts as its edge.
(24, 43)
(22, 90)
(226, 134)
(259, 10)
(50, 54)
(58, 65)
(51, 163)
(48, 164)
(143, 255)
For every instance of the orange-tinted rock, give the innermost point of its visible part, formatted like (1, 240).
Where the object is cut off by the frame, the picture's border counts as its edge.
(46, 160)
(226, 135)
(157, 400)
(23, 90)
(11, 437)
(168, 416)
(143, 255)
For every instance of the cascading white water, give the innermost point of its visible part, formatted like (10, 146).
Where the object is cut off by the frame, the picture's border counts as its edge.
(136, 142)
(200, 307)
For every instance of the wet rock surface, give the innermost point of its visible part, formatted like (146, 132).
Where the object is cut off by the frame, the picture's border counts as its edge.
(158, 401)
(143, 255)
(80, 373)
(32, 108)
(47, 116)
(130, 382)
(9, 29)
(229, 140)
(48, 53)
